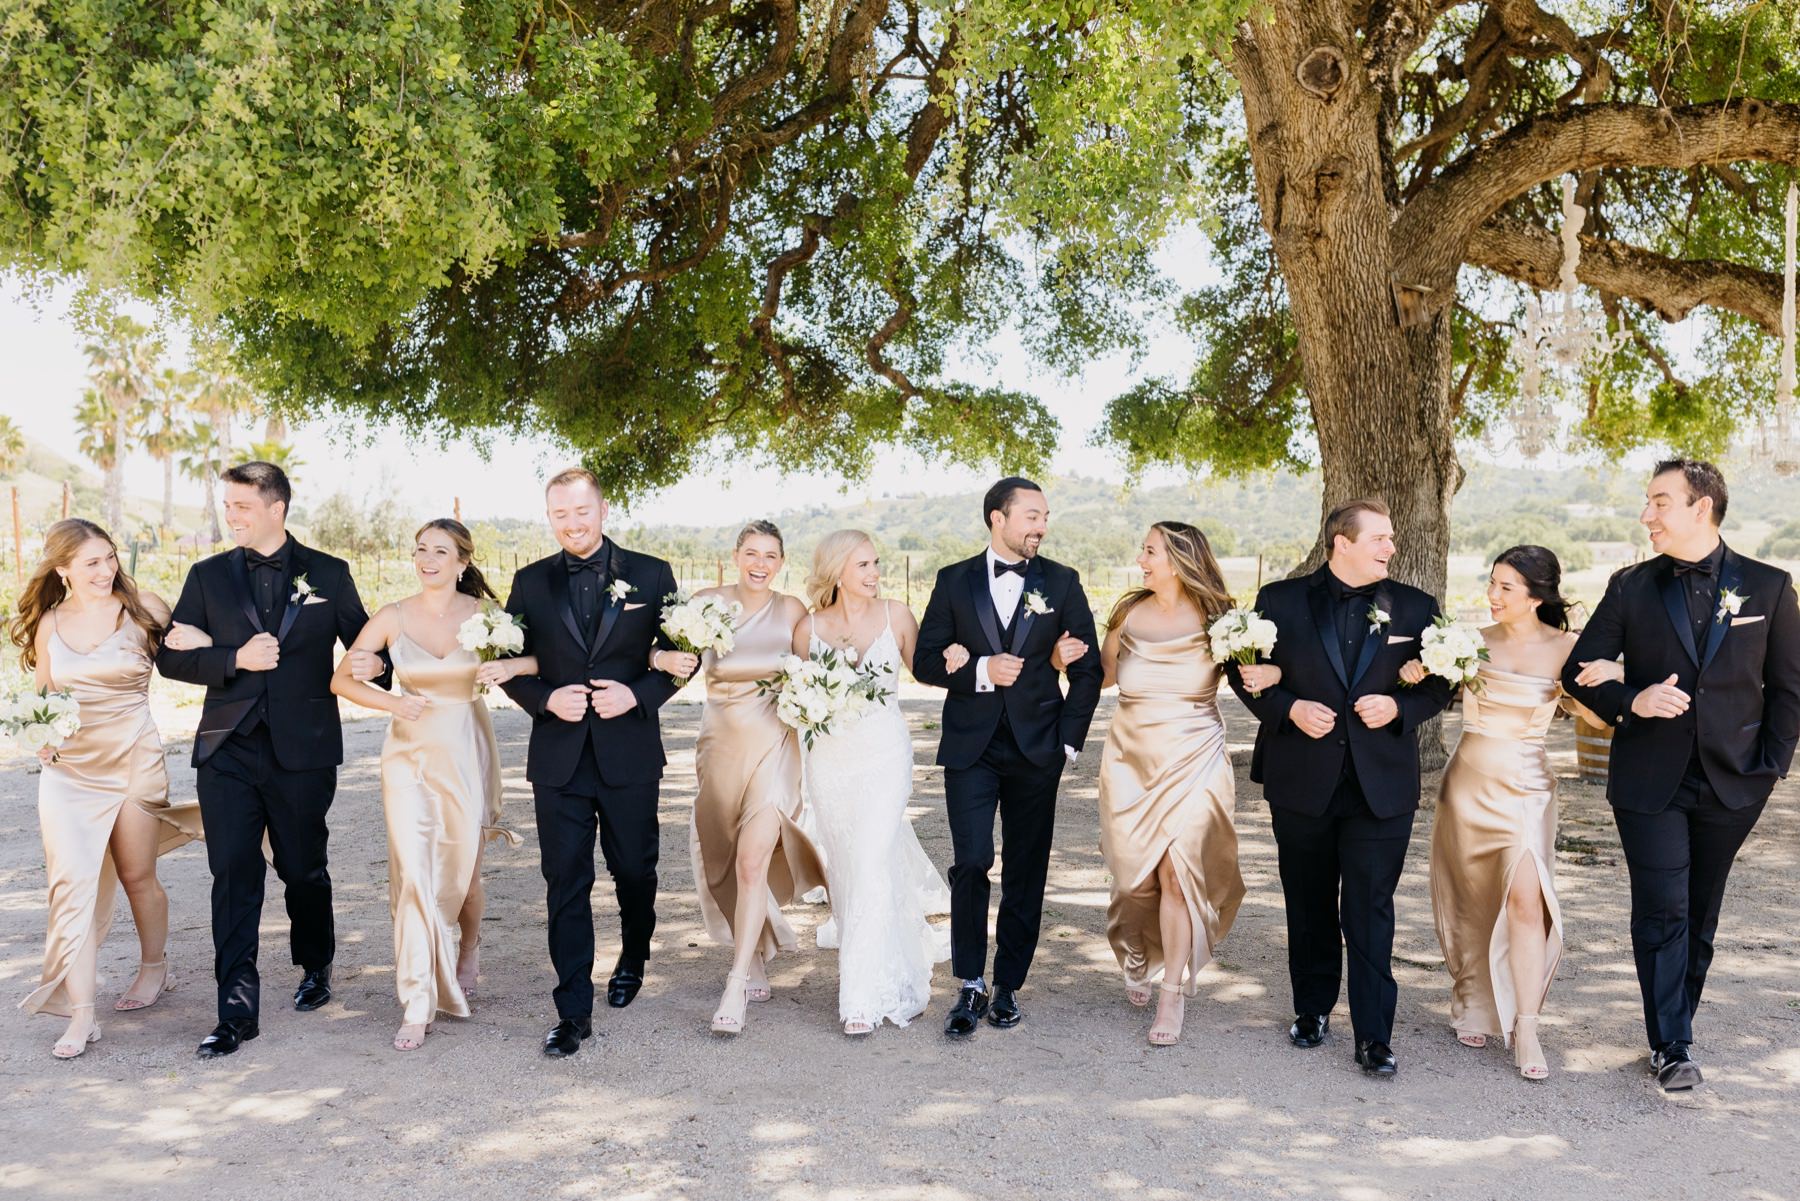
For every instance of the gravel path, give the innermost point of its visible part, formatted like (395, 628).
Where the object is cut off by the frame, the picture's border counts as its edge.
(1074, 1103)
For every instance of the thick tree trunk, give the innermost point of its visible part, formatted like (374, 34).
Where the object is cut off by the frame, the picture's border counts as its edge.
(1379, 390)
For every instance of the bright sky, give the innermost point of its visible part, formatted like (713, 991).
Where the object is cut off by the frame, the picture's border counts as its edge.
(46, 374)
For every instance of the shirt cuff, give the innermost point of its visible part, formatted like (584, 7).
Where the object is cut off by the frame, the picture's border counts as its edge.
(1072, 753)
(982, 683)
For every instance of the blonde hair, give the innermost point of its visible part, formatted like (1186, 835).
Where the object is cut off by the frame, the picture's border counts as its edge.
(46, 589)
(1196, 570)
(830, 558)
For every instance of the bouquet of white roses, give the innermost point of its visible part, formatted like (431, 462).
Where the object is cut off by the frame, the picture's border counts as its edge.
(698, 624)
(1455, 652)
(1240, 635)
(492, 633)
(39, 717)
(813, 693)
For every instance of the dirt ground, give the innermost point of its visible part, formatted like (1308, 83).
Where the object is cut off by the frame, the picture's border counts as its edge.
(1073, 1103)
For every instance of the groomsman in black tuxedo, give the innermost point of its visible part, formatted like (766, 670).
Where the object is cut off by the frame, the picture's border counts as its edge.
(1008, 733)
(1706, 721)
(592, 615)
(1337, 754)
(269, 744)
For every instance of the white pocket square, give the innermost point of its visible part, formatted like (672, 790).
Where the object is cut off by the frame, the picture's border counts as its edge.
(629, 606)
(1744, 621)
(1397, 638)
(312, 600)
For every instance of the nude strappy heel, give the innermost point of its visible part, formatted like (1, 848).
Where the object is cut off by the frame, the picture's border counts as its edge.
(1162, 1036)
(1535, 1069)
(130, 1004)
(725, 1021)
(65, 1050)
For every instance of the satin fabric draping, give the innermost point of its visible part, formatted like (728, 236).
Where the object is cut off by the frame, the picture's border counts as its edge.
(115, 759)
(440, 792)
(1496, 815)
(1166, 789)
(747, 761)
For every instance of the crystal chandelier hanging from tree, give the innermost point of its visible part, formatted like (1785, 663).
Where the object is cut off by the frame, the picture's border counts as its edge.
(1555, 339)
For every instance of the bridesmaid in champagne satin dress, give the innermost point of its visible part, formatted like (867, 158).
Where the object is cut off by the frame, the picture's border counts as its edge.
(749, 853)
(1166, 788)
(440, 777)
(103, 796)
(1493, 840)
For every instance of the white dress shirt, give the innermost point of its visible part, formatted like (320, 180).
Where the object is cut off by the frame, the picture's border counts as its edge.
(1005, 588)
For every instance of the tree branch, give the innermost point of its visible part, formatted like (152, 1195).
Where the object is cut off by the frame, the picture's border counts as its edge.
(1670, 287)
(1432, 234)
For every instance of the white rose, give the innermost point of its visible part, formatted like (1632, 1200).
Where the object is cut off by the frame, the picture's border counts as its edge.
(34, 735)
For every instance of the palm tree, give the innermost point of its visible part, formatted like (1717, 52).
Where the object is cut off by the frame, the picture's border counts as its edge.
(199, 460)
(12, 446)
(221, 394)
(281, 454)
(167, 428)
(121, 363)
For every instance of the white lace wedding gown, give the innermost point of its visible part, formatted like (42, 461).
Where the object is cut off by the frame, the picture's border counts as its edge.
(858, 782)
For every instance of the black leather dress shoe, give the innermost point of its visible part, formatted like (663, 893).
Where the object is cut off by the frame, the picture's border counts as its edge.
(227, 1037)
(566, 1036)
(1005, 1012)
(314, 990)
(1375, 1058)
(1309, 1029)
(1675, 1068)
(627, 978)
(971, 1003)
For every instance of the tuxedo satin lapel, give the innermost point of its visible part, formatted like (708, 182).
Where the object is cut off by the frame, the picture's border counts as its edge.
(1384, 600)
(298, 563)
(1020, 629)
(609, 616)
(1320, 601)
(238, 568)
(983, 600)
(1731, 574)
(565, 608)
(1676, 604)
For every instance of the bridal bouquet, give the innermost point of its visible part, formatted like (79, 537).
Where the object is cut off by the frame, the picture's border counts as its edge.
(700, 624)
(813, 693)
(1455, 652)
(492, 633)
(39, 717)
(1241, 635)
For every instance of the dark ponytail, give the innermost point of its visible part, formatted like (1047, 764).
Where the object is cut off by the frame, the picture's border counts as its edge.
(1542, 572)
(469, 581)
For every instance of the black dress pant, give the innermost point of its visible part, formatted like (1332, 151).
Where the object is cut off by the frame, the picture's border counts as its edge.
(1003, 780)
(1338, 874)
(244, 794)
(568, 818)
(1679, 860)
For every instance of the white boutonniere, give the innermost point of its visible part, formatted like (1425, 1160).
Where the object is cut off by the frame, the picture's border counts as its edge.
(620, 589)
(1378, 619)
(1036, 605)
(303, 593)
(1729, 604)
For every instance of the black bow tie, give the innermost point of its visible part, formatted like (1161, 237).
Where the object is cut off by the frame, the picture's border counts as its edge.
(1350, 593)
(256, 560)
(1703, 567)
(597, 565)
(1017, 569)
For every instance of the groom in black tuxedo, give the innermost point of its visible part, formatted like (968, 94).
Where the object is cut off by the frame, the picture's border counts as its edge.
(1707, 718)
(269, 744)
(1008, 733)
(1337, 754)
(592, 615)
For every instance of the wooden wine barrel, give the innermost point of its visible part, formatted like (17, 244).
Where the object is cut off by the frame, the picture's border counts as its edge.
(1593, 745)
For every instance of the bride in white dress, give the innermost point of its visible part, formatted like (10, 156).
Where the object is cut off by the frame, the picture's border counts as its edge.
(858, 782)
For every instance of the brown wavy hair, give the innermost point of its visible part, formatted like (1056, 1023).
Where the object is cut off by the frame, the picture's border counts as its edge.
(470, 582)
(45, 589)
(1190, 554)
